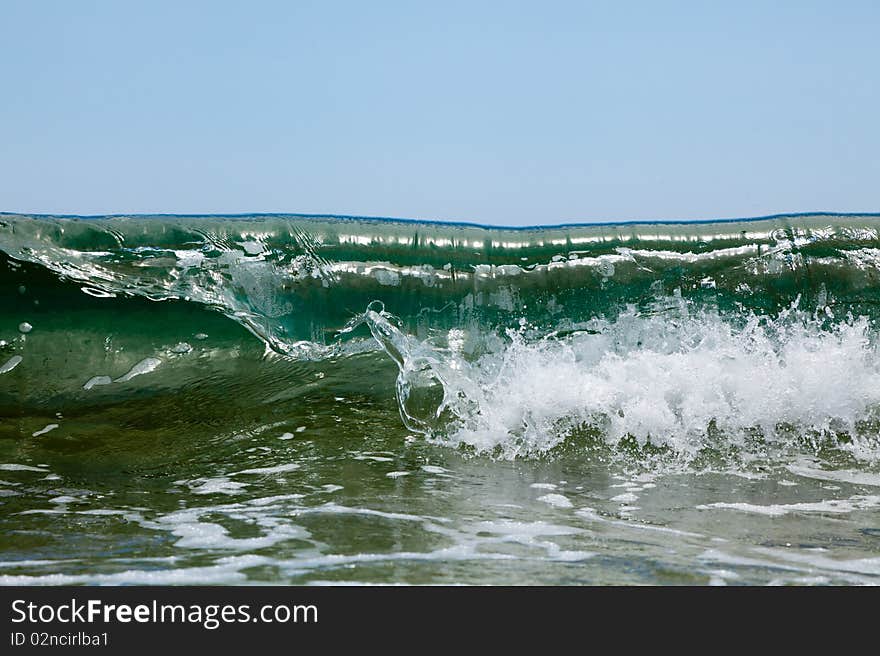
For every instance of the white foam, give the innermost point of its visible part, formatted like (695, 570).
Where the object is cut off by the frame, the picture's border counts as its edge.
(44, 511)
(365, 456)
(663, 377)
(97, 293)
(557, 500)
(277, 469)
(37, 563)
(145, 366)
(17, 467)
(789, 560)
(267, 501)
(840, 475)
(834, 506)
(187, 259)
(219, 485)
(336, 509)
(11, 364)
(97, 380)
(208, 535)
(224, 570)
(870, 566)
(526, 530)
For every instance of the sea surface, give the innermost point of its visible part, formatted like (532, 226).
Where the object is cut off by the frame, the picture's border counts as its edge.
(340, 400)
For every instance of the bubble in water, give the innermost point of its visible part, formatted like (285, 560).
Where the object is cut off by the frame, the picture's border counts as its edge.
(25, 327)
(43, 431)
(97, 380)
(10, 364)
(145, 366)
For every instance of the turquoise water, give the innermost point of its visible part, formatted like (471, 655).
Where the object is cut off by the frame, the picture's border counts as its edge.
(290, 399)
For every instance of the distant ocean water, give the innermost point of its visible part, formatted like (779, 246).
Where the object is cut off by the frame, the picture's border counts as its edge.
(284, 398)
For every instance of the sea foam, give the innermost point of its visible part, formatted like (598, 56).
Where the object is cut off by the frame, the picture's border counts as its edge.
(674, 378)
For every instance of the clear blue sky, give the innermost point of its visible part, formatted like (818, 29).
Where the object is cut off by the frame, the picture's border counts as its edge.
(497, 112)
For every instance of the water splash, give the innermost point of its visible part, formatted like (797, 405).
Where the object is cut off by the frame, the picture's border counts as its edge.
(685, 379)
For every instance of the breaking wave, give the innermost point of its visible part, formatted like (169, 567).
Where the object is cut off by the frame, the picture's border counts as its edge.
(753, 336)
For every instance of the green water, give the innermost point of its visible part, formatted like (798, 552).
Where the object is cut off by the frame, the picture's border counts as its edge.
(673, 405)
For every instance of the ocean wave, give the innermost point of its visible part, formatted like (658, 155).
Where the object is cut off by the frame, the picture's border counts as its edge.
(747, 335)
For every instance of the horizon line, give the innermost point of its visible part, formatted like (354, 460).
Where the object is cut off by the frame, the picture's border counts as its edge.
(451, 222)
